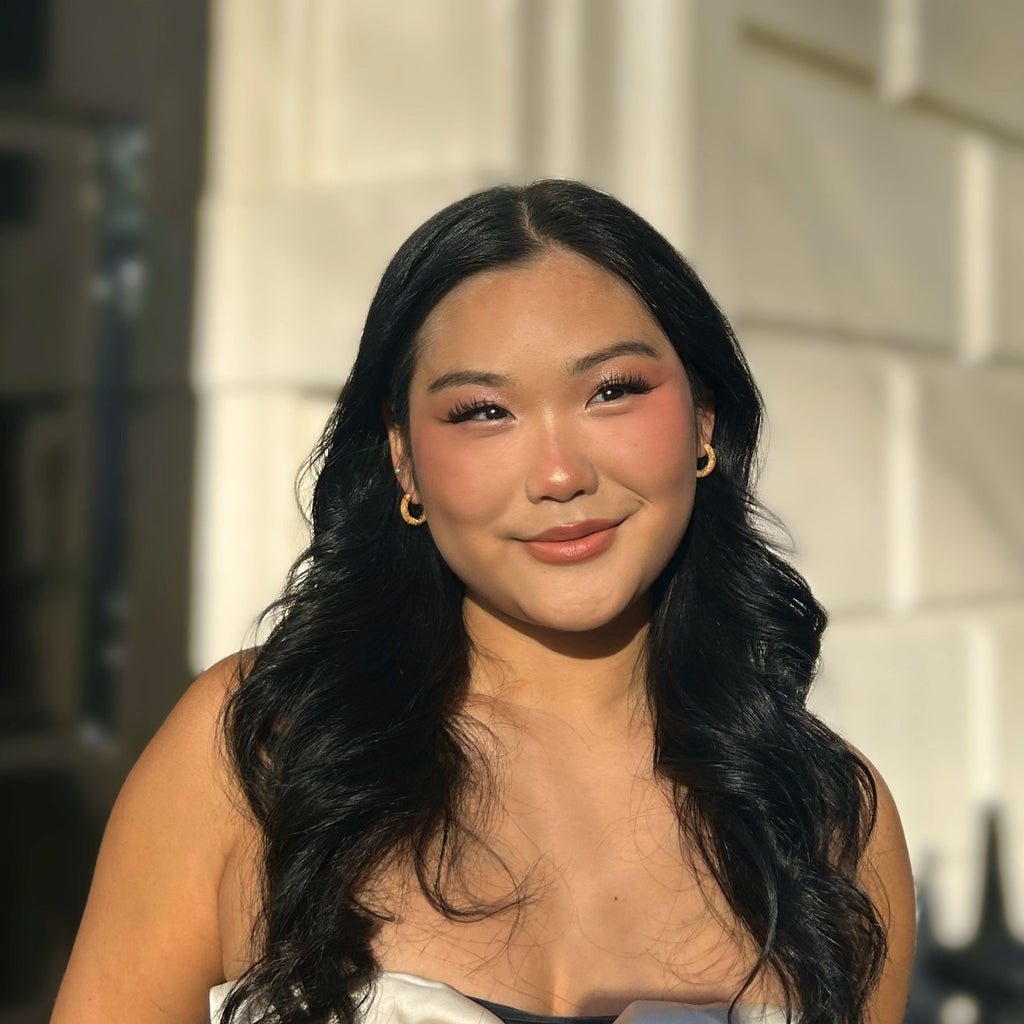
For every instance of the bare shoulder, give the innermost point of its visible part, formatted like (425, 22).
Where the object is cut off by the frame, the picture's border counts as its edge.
(149, 945)
(186, 757)
(886, 877)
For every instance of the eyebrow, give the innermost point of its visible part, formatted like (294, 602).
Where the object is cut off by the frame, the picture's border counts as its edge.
(618, 348)
(628, 347)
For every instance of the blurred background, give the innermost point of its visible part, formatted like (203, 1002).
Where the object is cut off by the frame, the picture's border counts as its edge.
(196, 200)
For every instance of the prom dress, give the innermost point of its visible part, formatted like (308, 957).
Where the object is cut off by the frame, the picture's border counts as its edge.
(409, 999)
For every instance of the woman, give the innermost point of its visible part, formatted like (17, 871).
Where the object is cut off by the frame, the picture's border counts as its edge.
(528, 736)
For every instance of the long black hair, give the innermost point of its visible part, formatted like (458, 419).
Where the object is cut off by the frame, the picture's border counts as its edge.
(345, 730)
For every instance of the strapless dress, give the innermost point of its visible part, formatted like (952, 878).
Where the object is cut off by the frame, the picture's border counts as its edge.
(409, 999)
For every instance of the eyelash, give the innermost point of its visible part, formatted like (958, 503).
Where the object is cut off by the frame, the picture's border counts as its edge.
(631, 383)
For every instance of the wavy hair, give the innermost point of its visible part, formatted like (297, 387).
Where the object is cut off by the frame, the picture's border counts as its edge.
(345, 732)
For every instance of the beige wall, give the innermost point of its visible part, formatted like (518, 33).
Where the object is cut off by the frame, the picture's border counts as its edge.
(849, 178)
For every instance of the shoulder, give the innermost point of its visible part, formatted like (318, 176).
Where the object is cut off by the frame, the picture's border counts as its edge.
(886, 862)
(887, 879)
(184, 773)
(149, 946)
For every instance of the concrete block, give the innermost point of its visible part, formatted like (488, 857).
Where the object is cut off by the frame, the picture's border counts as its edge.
(970, 58)
(650, 119)
(1009, 252)
(825, 469)
(568, 95)
(258, 95)
(250, 446)
(285, 281)
(317, 93)
(835, 29)
(972, 484)
(847, 210)
(1007, 626)
(900, 692)
(408, 87)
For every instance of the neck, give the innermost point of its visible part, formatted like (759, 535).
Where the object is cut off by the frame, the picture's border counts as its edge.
(592, 676)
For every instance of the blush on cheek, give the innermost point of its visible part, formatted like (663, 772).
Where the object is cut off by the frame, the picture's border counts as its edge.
(457, 475)
(659, 436)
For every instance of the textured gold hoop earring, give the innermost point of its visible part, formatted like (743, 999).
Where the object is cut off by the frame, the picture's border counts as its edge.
(710, 464)
(407, 515)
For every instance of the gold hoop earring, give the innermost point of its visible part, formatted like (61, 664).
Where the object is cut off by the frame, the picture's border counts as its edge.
(407, 515)
(710, 464)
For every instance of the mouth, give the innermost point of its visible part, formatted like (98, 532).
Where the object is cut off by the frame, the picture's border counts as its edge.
(573, 542)
(574, 531)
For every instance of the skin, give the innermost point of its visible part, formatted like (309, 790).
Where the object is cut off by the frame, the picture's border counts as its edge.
(618, 910)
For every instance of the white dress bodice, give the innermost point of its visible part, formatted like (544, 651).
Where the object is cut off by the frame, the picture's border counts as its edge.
(409, 999)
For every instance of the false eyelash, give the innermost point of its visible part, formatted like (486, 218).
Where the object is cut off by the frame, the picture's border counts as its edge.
(463, 410)
(630, 382)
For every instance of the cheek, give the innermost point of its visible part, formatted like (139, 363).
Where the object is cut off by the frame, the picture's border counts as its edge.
(656, 442)
(458, 476)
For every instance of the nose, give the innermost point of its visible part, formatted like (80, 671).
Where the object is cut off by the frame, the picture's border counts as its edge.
(560, 466)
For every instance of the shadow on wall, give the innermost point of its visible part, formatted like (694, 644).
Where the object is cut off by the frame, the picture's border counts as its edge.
(102, 122)
(45, 866)
(981, 981)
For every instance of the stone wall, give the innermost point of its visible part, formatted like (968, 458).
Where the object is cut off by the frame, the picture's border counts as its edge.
(848, 177)
(874, 251)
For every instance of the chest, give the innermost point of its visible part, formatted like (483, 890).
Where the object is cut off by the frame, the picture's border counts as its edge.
(578, 897)
(602, 905)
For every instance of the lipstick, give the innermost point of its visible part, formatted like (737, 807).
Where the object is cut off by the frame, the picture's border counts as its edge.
(573, 542)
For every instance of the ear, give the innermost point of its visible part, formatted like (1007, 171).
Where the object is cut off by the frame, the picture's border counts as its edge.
(705, 427)
(399, 455)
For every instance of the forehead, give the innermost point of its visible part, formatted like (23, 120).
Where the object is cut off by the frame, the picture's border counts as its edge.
(556, 305)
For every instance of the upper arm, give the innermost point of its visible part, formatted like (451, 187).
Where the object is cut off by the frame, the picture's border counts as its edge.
(887, 879)
(149, 948)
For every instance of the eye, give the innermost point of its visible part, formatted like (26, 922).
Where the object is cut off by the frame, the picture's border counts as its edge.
(617, 385)
(480, 411)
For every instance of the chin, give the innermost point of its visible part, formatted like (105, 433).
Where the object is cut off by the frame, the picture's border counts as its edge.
(568, 609)
(584, 617)
(570, 624)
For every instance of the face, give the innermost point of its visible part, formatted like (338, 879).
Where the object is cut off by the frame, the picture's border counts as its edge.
(552, 441)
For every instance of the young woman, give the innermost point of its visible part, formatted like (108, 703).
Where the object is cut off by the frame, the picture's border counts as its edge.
(529, 734)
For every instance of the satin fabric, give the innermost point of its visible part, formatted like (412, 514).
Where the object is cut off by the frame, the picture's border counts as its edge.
(409, 999)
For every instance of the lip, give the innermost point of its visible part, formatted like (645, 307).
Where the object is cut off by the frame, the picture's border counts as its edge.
(573, 531)
(573, 542)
